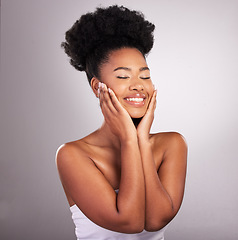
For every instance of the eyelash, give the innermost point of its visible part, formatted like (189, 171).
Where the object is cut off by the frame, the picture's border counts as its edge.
(122, 77)
(145, 78)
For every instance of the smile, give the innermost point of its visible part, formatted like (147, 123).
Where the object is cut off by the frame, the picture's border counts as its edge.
(135, 99)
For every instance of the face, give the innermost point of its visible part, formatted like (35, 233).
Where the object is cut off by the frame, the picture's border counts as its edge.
(127, 74)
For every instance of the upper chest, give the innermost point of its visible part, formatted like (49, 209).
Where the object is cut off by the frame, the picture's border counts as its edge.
(108, 161)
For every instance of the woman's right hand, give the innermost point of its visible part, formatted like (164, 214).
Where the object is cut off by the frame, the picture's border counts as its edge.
(115, 115)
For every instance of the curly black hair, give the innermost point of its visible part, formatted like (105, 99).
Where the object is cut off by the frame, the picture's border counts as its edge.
(90, 40)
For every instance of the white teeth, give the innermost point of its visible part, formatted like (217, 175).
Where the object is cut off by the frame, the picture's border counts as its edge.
(135, 99)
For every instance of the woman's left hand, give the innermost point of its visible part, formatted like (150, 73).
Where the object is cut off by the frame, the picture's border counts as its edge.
(143, 129)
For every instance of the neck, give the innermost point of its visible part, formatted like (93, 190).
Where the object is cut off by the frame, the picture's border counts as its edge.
(136, 121)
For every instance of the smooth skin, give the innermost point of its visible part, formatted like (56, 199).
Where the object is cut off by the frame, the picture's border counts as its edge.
(148, 169)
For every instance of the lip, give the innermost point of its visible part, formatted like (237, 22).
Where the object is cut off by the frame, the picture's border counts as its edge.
(133, 101)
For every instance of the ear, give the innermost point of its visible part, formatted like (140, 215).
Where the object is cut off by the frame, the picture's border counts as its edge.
(94, 86)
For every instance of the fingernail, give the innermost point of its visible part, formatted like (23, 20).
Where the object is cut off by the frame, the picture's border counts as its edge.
(109, 90)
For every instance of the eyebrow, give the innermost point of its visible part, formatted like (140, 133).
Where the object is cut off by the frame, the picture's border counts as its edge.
(128, 69)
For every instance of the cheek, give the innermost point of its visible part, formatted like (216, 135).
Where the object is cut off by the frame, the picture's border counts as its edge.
(118, 89)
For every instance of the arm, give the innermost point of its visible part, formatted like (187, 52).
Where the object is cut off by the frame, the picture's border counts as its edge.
(163, 189)
(91, 191)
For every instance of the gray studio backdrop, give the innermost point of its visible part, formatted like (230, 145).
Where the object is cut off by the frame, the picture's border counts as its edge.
(45, 102)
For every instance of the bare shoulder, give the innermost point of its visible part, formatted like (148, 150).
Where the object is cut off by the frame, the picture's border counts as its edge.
(69, 147)
(74, 167)
(70, 152)
(169, 146)
(169, 140)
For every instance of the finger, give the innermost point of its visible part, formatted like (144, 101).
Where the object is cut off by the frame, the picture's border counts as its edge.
(106, 100)
(102, 92)
(102, 96)
(115, 101)
(104, 107)
(152, 104)
(155, 100)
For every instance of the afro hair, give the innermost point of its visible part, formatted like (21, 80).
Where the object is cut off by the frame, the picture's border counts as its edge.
(95, 35)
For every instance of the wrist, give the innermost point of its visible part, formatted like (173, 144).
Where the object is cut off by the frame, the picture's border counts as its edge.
(143, 137)
(128, 135)
(144, 142)
(127, 140)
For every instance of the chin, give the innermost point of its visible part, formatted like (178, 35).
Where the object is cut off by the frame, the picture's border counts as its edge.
(136, 114)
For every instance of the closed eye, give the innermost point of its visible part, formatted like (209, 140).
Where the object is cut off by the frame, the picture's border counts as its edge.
(120, 77)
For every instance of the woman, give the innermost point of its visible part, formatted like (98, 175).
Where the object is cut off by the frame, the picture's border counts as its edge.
(121, 182)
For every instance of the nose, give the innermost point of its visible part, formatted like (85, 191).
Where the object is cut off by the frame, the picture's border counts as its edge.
(136, 85)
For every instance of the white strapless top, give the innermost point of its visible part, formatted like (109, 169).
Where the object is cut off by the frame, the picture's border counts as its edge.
(86, 229)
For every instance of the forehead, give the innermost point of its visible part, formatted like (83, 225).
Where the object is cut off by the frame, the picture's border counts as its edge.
(126, 57)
